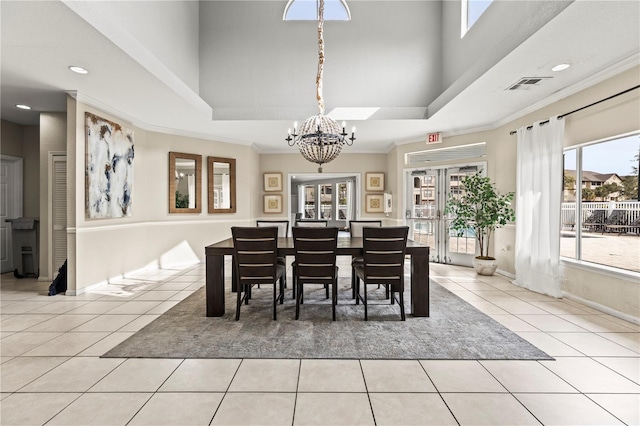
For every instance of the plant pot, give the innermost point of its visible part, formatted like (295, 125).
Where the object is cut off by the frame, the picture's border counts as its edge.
(484, 266)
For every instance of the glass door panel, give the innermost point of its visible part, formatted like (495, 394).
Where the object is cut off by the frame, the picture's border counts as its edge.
(344, 206)
(309, 193)
(326, 204)
(427, 194)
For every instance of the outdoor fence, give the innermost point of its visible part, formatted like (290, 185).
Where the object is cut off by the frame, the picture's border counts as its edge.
(630, 211)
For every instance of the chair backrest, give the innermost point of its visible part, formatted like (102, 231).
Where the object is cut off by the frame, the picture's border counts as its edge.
(311, 223)
(597, 216)
(255, 251)
(355, 226)
(283, 226)
(315, 251)
(383, 252)
(617, 217)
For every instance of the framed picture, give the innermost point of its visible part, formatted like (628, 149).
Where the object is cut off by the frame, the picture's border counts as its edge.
(273, 182)
(374, 203)
(374, 182)
(273, 203)
(108, 168)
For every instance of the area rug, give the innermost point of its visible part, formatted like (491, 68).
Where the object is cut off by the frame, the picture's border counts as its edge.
(454, 330)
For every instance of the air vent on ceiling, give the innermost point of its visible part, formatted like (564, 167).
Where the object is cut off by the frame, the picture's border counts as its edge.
(526, 83)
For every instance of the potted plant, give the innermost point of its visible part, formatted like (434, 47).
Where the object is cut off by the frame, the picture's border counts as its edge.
(480, 210)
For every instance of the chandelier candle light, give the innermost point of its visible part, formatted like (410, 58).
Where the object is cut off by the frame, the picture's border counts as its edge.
(320, 139)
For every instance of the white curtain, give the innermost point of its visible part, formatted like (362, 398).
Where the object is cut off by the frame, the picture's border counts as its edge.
(538, 198)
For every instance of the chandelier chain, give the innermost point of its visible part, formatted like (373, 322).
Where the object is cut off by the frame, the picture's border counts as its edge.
(320, 57)
(320, 138)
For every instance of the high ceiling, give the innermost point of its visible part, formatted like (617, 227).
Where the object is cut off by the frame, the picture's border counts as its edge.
(233, 71)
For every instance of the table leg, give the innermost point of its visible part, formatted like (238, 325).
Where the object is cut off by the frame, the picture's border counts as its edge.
(215, 285)
(420, 285)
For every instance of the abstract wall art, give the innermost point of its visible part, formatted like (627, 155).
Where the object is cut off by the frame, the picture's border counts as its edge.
(109, 168)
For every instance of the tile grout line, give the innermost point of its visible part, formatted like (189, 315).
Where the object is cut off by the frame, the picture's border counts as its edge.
(366, 388)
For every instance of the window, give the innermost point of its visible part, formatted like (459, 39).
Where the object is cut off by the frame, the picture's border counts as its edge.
(309, 202)
(344, 206)
(307, 10)
(471, 11)
(326, 204)
(598, 216)
(328, 199)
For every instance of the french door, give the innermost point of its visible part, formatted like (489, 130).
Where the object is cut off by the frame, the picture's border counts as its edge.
(426, 197)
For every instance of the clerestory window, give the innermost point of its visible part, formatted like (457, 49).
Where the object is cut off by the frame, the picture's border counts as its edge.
(471, 11)
(307, 10)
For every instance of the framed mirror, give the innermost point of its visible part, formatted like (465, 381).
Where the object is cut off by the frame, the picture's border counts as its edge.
(222, 184)
(185, 182)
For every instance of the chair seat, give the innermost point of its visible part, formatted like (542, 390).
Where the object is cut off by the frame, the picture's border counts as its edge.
(357, 261)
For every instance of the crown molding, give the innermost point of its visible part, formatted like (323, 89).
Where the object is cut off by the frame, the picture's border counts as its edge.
(108, 109)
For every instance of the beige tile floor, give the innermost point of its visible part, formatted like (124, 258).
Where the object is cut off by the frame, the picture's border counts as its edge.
(51, 371)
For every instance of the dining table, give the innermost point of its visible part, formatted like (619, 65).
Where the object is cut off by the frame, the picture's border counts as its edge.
(347, 246)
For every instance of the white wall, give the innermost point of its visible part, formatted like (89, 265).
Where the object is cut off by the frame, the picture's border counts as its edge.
(24, 141)
(102, 249)
(53, 138)
(355, 164)
(152, 237)
(500, 29)
(167, 30)
(617, 116)
(402, 31)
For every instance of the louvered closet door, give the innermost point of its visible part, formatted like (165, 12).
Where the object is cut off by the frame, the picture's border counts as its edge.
(59, 213)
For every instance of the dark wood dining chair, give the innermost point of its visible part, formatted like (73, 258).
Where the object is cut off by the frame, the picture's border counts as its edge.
(283, 232)
(355, 231)
(282, 225)
(255, 259)
(315, 262)
(383, 253)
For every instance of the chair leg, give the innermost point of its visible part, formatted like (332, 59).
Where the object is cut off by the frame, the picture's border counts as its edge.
(334, 301)
(326, 291)
(357, 290)
(364, 302)
(386, 293)
(283, 285)
(298, 297)
(293, 278)
(239, 301)
(401, 303)
(275, 300)
(353, 282)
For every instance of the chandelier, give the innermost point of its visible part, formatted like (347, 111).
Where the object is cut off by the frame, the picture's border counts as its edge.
(320, 139)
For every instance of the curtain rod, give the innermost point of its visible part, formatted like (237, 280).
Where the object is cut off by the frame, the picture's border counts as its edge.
(513, 132)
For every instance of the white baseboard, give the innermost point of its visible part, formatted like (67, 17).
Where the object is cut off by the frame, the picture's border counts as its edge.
(602, 308)
(506, 274)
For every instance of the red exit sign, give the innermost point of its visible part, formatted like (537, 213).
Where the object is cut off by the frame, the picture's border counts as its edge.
(434, 138)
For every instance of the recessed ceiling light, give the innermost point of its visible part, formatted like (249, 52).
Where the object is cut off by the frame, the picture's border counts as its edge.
(79, 70)
(22, 106)
(560, 67)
